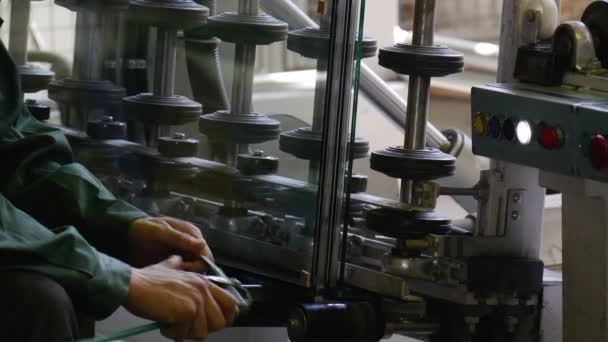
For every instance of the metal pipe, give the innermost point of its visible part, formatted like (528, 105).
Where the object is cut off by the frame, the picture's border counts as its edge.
(20, 19)
(376, 90)
(164, 62)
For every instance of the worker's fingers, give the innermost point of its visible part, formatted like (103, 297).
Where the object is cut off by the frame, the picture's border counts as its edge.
(215, 316)
(226, 302)
(191, 230)
(183, 242)
(176, 332)
(184, 227)
(194, 266)
(199, 329)
(174, 262)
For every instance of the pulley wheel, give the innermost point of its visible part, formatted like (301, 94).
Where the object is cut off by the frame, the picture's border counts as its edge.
(314, 43)
(34, 78)
(94, 5)
(252, 128)
(86, 93)
(413, 60)
(161, 110)
(168, 14)
(304, 143)
(178, 146)
(107, 128)
(257, 30)
(401, 224)
(595, 17)
(427, 164)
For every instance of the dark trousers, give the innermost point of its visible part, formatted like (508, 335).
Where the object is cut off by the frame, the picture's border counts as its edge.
(34, 307)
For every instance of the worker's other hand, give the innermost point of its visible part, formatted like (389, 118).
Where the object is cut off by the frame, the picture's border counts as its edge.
(191, 306)
(152, 240)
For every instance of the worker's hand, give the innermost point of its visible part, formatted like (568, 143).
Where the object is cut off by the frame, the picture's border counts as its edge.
(191, 306)
(152, 240)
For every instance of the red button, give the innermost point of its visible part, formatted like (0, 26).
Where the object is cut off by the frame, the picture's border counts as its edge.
(550, 138)
(598, 152)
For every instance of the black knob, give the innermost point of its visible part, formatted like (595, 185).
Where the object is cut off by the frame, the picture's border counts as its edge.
(257, 163)
(107, 128)
(177, 146)
(39, 111)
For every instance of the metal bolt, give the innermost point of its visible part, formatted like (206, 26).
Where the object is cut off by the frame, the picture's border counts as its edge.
(179, 136)
(107, 118)
(516, 197)
(258, 153)
(515, 215)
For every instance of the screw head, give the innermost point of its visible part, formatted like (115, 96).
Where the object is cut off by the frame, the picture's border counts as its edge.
(516, 197)
(179, 136)
(515, 214)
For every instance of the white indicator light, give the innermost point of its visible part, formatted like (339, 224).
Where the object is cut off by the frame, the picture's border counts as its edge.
(523, 130)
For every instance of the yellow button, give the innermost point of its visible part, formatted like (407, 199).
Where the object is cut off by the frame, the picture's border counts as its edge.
(480, 124)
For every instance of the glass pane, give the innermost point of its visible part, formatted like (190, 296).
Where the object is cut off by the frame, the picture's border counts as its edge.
(245, 166)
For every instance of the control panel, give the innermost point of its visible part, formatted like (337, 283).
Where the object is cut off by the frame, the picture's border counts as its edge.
(557, 129)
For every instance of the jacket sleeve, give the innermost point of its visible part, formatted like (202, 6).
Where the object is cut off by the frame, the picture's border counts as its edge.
(96, 282)
(49, 186)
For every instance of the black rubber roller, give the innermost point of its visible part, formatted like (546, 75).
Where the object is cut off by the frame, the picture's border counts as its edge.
(87, 93)
(304, 143)
(413, 60)
(252, 128)
(94, 5)
(357, 184)
(168, 14)
(401, 224)
(595, 18)
(178, 146)
(34, 78)
(423, 165)
(162, 110)
(107, 128)
(257, 163)
(314, 43)
(242, 29)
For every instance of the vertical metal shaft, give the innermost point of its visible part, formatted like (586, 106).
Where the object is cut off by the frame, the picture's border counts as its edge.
(164, 62)
(418, 90)
(242, 86)
(242, 83)
(320, 90)
(121, 20)
(19, 30)
(88, 57)
(244, 63)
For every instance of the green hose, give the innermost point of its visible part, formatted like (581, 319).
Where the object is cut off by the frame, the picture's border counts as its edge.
(125, 333)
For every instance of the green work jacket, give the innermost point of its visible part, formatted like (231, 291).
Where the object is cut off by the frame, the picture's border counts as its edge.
(53, 211)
